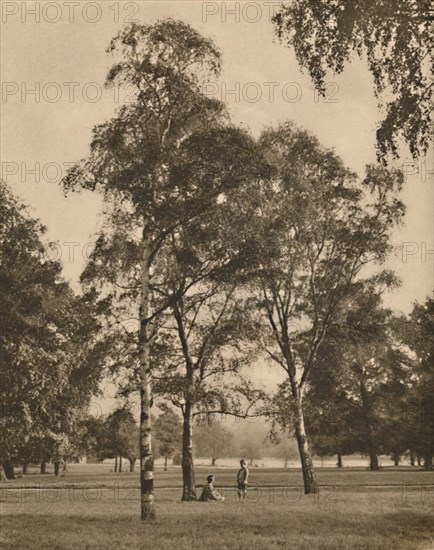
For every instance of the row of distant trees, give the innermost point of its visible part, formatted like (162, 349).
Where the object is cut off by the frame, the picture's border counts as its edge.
(117, 436)
(226, 251)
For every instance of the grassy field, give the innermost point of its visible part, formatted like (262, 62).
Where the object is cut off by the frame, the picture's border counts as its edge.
(355, 509)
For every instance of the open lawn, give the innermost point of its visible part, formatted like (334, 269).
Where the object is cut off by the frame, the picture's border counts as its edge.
(355, 509)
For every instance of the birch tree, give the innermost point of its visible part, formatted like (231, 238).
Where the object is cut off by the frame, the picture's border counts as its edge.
(318, 226)
(161, 161)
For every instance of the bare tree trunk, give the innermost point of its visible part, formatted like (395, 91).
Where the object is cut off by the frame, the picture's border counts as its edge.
(339, 464)
(147, 503)
(116, 464)
(188, 477)
(310, 485)
(132, 464)
(56, 467)
(120, 463)
(165, 463)
(43, 468)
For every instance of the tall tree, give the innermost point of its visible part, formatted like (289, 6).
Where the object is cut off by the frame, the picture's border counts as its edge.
(213, 440)
(284, 447)
(159, 163)
(50, 364)
(363, 371)
(205, 339)
(316, 228)
(418, 411)
(123, 432)
(201, 370)
(397, 39)
(168, 430)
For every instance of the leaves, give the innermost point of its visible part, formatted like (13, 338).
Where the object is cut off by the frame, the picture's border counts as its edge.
(49, 366)
(395, 36)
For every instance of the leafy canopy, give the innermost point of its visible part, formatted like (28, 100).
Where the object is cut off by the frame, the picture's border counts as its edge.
(396, 38)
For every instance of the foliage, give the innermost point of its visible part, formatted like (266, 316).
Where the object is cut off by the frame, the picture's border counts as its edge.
(50, 364)
(168, 429)
(396, 38)
(116, 435)
(316, 227)
(212, 439)
(364, 372)
(417, 412)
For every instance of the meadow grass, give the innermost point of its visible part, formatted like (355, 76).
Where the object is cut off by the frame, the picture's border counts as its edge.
(351, 477)
(104, 515)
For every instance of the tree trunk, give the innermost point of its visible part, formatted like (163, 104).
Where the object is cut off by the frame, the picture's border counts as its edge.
(24, 468)
(43, 467)
(188, 477)
(396, 460)
(132, 464)
(339, 464)
(8, 468)
(116, 464)
(120, 463)
(373, 459)
(147, 503)
(419, 460)
(427, 462)
(310, 485)
(56, 467)
(412, 459)
(213, 461)
(165, 463)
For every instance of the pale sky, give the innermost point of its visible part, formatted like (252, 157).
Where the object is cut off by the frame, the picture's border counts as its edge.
(65, 62)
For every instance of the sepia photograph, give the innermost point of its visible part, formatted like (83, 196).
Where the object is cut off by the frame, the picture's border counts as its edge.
(216, 275)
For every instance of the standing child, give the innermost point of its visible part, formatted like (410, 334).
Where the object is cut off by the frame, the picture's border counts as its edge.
(242, 480)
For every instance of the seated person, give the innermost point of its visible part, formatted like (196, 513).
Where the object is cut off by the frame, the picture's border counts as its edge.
(208, 491)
